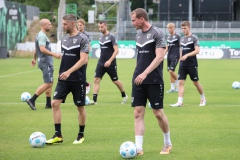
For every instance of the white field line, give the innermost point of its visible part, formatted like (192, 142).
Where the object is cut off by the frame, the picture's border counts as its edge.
(24, 103)
(8, 75)
(14, 74)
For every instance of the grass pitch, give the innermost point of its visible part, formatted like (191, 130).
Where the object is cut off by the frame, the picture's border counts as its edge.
(210, 132)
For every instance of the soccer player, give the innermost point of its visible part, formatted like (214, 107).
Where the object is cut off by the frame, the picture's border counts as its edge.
(45, 63)
(172, 51)
(107, 62)
(188, 64)
(147, 82)
(72, 78)
(81, 28)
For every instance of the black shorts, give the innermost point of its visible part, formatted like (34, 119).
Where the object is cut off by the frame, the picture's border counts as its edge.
(111, 71)
(153, 92)
(78, 90)
(171, 64)
(47, 72)
(184, 71)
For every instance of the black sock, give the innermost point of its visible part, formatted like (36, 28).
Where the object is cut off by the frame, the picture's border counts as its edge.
(58, 130)
(48, 101)
(95, 97)
(34, 97)
(123, 94)
(81, 131)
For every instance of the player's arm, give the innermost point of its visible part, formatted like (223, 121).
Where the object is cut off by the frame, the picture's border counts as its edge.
(108, 63)
(166, 50)
(155, 63)
(33, 62)
(45, 51)
(42, 42)
(79, 64)
(180, 54)
(193, 53)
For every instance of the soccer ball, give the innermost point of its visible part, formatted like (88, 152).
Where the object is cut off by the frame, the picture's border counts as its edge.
(128, 150)
(236, 85)
(87, 100)
(25, 96)
(37, 139)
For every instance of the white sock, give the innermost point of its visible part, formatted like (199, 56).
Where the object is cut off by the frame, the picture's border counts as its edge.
(202, 96)
(180, 100)
(167, 140)
(176, 83)
(139, 142)
(172, 86)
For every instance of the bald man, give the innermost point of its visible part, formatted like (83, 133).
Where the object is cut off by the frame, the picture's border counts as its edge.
(45, 63)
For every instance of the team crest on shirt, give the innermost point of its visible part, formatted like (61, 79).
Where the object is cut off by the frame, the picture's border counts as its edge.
(148, 35)
(174, 36)
(189, 39)
(74, 40)
(106, 38)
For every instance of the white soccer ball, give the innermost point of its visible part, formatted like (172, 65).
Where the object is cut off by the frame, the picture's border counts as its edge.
(236, 85)
(87, 100)
(37, 139)
(25, 96)
(128, 149)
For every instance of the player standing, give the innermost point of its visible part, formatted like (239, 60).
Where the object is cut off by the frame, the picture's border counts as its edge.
(72, 78)
(147, 82)
(173, 53)
(188, 64)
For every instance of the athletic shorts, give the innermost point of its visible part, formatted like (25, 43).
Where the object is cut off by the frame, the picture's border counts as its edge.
(184, 71)
(153, 92)
(47, 74)
(111, 71)
(78, 90)
(171, 64)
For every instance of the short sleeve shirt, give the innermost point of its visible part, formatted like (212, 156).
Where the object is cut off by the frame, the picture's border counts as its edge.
(106, 44)
(188, 45)
(44, 60)
(173, 43)
(88, 36)
(146, 44)
(71, 49)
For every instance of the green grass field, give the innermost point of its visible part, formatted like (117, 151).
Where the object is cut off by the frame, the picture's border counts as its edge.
(211, 132)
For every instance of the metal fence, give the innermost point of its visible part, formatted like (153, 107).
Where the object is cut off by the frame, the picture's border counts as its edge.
(205, 30)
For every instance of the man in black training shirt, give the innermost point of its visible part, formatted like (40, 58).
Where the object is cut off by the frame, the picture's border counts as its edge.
(107, 62)
(173, 53)
(72, 78)
(188, 64)
(147, 82)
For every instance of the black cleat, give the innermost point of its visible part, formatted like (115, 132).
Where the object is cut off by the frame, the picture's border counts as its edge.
(31, 104)
(48, 107)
